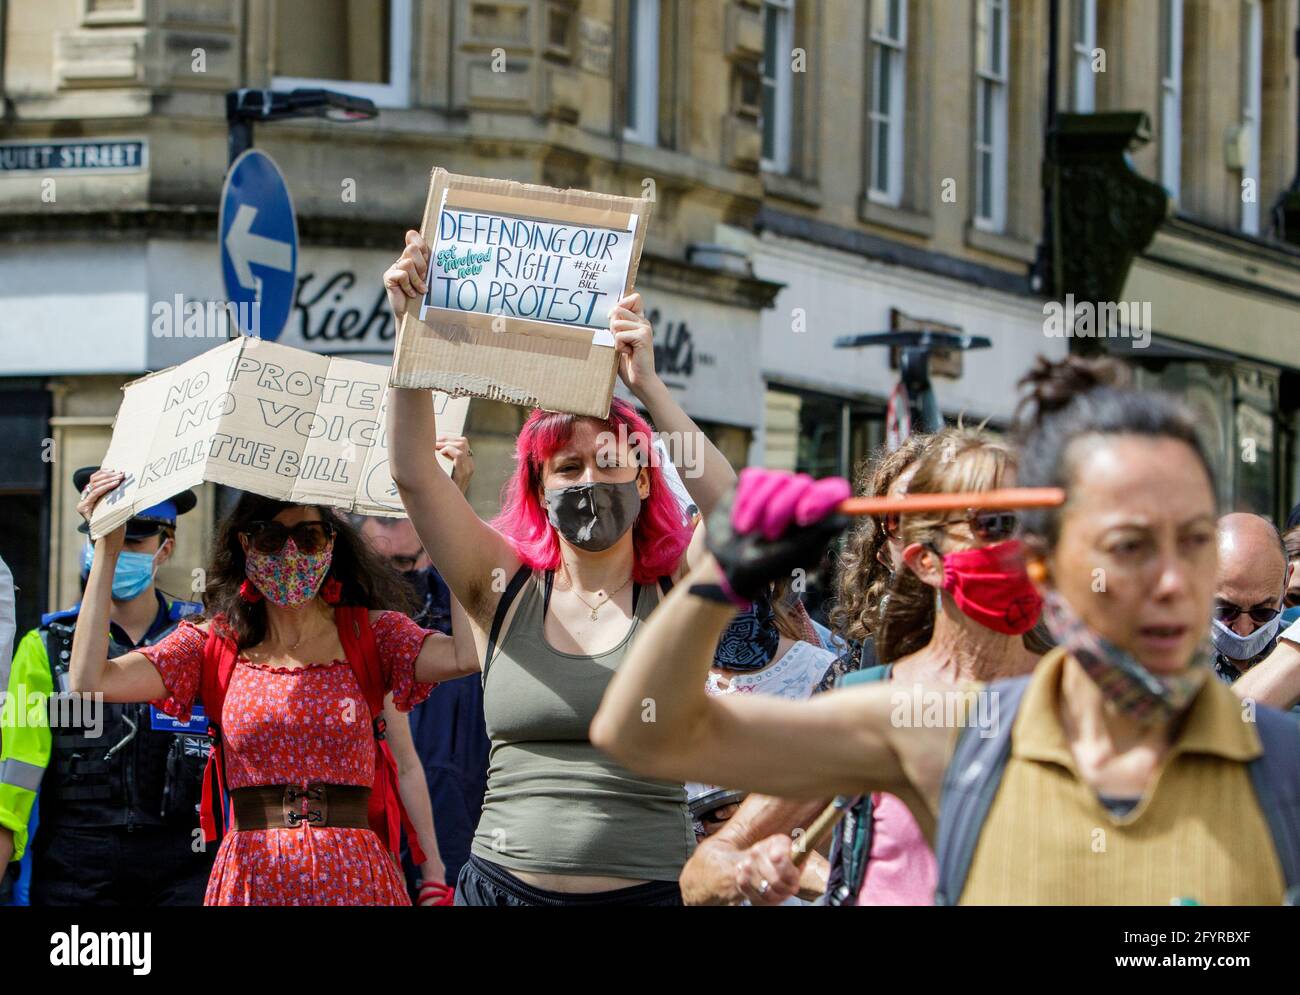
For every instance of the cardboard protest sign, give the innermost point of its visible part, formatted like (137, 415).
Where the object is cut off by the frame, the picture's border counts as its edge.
(521, 282)
(279, 421)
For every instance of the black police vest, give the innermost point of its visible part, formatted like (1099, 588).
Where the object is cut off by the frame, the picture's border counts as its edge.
(129, 774)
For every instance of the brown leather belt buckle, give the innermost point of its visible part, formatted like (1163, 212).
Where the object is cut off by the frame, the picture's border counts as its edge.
(306, 805)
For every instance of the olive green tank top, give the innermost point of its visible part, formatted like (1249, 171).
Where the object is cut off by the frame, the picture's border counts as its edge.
(554, 803)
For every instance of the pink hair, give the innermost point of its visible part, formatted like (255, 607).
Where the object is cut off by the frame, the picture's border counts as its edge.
(661, 533)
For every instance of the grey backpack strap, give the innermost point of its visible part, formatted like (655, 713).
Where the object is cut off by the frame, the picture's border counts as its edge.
(969, 784)
(1276, 776)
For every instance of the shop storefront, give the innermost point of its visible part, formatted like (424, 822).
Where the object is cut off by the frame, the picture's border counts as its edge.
(707, 328)
(824, 406)
(152, 303)
(1225, 308)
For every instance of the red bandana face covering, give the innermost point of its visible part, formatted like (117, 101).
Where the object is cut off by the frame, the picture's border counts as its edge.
(990, 586)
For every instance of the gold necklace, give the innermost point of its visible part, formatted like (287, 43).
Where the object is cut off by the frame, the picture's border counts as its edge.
(597, 607)
(302, 635)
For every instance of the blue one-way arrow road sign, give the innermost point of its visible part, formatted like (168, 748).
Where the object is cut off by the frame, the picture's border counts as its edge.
(259, 244)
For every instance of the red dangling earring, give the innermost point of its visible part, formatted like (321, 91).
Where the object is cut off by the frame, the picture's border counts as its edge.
(249, 593)
(331, 591)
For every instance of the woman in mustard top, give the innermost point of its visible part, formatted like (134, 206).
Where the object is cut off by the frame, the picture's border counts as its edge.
(1119, 772)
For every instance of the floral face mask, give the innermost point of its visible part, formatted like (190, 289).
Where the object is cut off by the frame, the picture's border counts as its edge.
(288, 578)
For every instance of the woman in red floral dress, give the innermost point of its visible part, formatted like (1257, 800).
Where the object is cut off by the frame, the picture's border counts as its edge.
(295, 723)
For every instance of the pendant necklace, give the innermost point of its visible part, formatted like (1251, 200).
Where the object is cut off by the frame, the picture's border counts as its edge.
(599, 605)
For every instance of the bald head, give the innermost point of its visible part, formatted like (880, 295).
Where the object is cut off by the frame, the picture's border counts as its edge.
(1252, 566)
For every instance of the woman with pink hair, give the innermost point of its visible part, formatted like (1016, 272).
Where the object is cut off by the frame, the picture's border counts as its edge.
(589, 539)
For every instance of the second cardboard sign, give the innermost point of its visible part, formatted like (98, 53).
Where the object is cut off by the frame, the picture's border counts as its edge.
(282, 422)
(521, 282)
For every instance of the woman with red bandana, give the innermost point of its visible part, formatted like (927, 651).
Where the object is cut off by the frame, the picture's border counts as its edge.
(1117, 737)
(296, 639)
(955, 611)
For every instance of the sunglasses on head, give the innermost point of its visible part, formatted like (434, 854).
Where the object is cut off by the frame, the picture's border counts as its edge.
(308, 537)
(990, 526)
(1227, 614)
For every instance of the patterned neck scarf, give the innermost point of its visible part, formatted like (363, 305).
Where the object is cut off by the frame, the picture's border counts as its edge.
(1132, 689)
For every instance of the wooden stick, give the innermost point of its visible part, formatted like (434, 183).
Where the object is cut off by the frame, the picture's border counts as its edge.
(1009, 497)
(819, 830)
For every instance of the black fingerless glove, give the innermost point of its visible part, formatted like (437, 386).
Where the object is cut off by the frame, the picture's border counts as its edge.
(750, 562)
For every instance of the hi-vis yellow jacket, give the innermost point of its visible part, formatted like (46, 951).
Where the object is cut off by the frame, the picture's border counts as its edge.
(25, 739)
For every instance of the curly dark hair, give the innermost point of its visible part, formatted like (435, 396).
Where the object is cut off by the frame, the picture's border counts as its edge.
(368, 580)
(958, 459)
(862, 577)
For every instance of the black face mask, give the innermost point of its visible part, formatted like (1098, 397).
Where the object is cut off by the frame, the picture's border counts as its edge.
(750, 641)
(593, 516)
(419, 582)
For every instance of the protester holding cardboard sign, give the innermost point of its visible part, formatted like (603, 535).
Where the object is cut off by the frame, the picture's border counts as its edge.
(589, 538)
(292, 665)
(282, 422)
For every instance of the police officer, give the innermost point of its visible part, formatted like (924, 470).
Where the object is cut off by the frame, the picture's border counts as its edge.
(119, 783)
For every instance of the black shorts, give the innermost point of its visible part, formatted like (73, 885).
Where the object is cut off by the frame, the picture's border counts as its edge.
(484, 883)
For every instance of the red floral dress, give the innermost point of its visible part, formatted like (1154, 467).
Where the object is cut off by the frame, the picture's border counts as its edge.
(295, 726)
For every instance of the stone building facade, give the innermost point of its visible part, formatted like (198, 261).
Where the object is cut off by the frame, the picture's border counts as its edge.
(819, 168)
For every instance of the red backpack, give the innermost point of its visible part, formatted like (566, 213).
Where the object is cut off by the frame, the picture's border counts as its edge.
(387, 813)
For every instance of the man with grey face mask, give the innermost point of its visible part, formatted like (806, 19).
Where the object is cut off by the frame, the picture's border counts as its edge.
(1253, 574)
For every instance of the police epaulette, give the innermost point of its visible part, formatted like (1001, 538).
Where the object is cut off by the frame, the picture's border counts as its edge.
(60, 616)
(180, 609)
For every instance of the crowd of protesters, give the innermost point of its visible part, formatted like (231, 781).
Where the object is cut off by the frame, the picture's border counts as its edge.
(613, 692)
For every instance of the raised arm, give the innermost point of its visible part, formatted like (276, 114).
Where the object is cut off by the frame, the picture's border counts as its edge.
(465, 549)
(443, 657)
(657, 719)
(708, 475)
(1275, 680)
(125, 678)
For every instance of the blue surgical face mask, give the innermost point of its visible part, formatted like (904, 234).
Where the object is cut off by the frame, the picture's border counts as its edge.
(1236, 647)
(133, 573)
